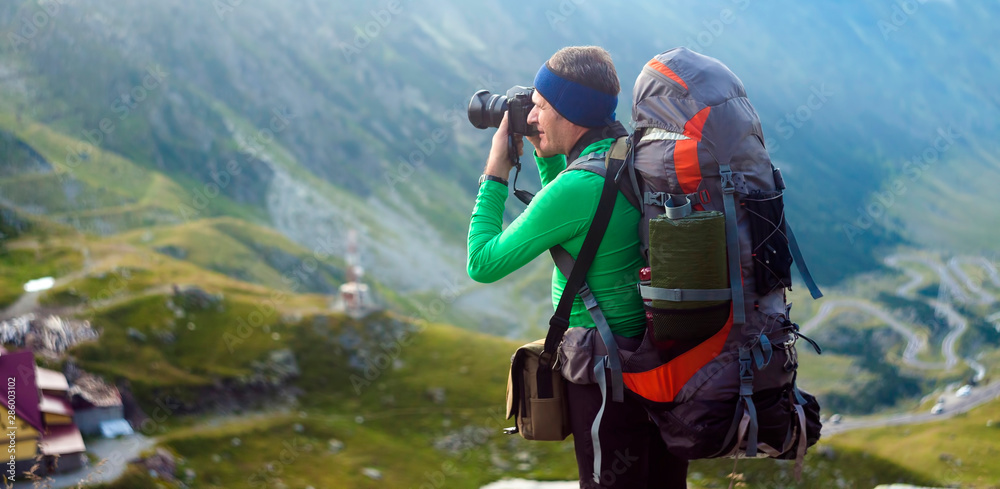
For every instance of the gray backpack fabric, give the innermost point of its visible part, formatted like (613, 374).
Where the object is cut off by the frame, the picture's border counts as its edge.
(698, 145)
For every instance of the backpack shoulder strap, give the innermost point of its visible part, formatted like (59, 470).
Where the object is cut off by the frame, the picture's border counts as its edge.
(593, 162)
(621, 157)
(732, 243)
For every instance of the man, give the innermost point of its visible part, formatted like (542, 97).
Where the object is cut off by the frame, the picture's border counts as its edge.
(576, 93)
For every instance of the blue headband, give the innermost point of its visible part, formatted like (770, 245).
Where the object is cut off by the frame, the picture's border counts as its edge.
(579, 104)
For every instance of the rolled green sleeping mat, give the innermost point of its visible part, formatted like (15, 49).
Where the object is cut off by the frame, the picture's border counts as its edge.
(688, 253)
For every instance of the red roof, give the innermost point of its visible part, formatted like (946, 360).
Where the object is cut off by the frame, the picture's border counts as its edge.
(20, 367)
(62, 440)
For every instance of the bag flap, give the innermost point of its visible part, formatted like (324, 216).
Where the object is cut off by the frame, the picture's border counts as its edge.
(512, 394)
(515, 382)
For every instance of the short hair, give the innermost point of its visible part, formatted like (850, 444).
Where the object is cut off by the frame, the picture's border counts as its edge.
(590, 66)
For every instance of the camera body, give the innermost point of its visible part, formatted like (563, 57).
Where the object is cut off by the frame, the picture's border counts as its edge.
(519, 104)
(486, 110)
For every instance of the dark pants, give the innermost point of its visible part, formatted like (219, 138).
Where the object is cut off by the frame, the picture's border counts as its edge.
(633, 454)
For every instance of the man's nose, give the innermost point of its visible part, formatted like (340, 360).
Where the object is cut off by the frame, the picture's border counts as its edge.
(533, 115)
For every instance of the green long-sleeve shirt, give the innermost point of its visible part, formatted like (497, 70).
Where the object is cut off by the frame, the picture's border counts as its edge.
(561, 214)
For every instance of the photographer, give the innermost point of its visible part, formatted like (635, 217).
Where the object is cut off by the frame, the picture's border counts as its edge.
(575, 96)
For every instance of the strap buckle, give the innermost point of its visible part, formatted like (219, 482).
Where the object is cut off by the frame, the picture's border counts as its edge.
(728, 185)
(746, 373)
(746, 369)
(762, 352)
(658, 199)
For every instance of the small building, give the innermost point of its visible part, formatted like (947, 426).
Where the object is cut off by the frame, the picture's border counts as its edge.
(94, 403)
(43, 422)
(63, 445)
(19, 370)
(355, 296)
(62, 442)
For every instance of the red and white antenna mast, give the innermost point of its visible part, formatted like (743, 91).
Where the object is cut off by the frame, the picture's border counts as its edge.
(354, 293)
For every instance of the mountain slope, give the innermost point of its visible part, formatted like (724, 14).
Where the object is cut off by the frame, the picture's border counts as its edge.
(245, 252)
(327, 117)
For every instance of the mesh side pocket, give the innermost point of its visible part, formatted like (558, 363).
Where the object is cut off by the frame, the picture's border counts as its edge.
(699, 324)
(772, 258)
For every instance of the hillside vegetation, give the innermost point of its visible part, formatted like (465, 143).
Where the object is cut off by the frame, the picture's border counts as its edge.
(366, 128)
(418, 402)
(959, 452)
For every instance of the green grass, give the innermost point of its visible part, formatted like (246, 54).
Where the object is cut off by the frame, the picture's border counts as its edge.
(962, 450)
(979, 275)
(18, 266)
(50, 192)
(829, 372)
(399, 424)
(194, 360)
(825, 466)
(133, 478)
(119, 269)
(99, 191)
(246, 252)
(400, 421)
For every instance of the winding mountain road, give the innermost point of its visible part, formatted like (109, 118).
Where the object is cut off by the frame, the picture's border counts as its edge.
(28, 302)
(955, 265)
(952, 407)
(995, 319)
(915, 342)
(958, 325)
(955, 283)
(948, 283)
(907, 289)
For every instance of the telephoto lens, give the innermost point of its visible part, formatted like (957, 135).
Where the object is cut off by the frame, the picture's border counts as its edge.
(486, 109)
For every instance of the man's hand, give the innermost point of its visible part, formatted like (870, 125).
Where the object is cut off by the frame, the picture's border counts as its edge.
(498, 164)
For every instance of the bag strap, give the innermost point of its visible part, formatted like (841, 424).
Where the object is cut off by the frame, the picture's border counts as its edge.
(588, 251)
(564, 261)
(576, 279)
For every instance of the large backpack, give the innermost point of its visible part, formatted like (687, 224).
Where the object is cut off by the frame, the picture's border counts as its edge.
(698, 146)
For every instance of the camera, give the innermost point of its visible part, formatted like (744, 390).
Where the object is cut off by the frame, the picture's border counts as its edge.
(486, 110)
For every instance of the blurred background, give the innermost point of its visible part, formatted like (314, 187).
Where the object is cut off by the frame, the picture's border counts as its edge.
(232, 233)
